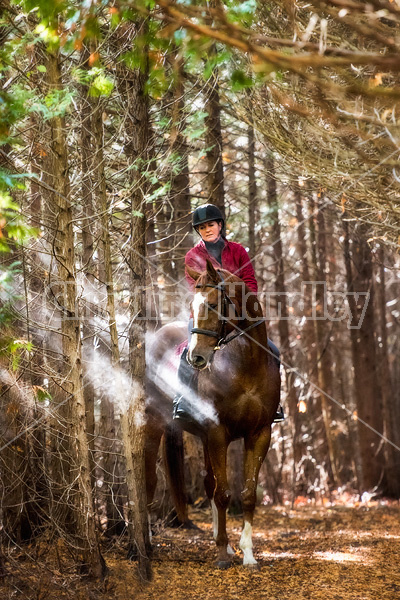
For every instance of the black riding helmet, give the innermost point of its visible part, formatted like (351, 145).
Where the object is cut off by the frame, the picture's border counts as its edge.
(205, 213)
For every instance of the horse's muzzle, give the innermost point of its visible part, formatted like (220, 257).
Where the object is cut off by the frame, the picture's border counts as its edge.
(197, 361)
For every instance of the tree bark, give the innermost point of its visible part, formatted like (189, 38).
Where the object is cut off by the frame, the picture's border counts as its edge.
(252, 190)
(324, 374)
(133, 418)
(214, 182)
(389, 407)
(283, 312)
(358, 263)
(88, 266)
(110, 464)
(323, 328)
(63, 249)
(180, 200)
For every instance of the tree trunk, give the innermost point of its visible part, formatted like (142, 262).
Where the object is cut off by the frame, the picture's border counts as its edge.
(308, 420)
(63, 248)
(180, 200)
(389, 408)
(283, 312)
(174, 212)
(252, 191)
(88, 267)
(110, 464)
(214, 182)
(133, 418)
(358, 263)
(324, 374)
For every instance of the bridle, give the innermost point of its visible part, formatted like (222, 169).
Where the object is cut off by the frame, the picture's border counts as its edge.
(221, 335)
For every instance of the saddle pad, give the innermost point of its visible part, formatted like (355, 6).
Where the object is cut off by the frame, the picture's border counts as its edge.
(180, 348)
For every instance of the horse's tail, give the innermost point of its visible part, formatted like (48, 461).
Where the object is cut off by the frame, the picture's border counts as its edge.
(174, 464)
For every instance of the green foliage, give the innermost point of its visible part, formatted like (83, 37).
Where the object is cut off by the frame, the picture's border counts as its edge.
(8, 297)
(195, 125)
(41, 394)
(55, 104)
(12, 225)
(241, 10)
(220, 58)
(135, 58)
(163, 190)
(175, 160)
(17, 349)
(157, 83)
(48, 11)
(240, 81)
(12, 108)
(11, 349)
(7, 276)
(101, 85)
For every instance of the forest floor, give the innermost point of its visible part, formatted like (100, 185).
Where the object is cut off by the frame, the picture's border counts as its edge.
(327, 553)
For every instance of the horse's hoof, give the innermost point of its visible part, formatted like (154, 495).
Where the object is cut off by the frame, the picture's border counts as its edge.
(253, 567)
(188, 524)
(223, 564)
(132, 553)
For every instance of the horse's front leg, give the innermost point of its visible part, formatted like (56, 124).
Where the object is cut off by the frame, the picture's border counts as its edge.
(216, 449)
(256, 448)
(209, 484)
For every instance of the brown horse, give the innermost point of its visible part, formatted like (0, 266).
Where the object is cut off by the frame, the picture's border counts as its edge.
(238, 395)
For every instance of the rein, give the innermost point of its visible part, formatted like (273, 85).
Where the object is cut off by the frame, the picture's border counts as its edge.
(220, 335)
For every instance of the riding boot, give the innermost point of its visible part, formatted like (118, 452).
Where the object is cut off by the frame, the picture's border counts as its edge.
(182, 408)
(279, 415)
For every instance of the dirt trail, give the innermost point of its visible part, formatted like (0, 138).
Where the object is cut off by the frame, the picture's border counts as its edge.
(337, 553)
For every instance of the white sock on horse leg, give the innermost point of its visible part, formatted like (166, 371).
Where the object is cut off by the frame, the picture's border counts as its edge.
(246, 544)
(215, 526)
(214, 518)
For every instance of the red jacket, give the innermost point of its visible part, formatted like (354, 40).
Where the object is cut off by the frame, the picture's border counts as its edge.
(234, 259)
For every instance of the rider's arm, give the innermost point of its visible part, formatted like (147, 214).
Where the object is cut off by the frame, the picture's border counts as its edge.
(247, 271)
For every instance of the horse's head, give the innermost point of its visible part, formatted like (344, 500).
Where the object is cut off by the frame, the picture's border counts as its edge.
(216, 310)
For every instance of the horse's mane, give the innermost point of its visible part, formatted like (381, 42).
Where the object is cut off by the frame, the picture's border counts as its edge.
(227, 275)
(253, 304)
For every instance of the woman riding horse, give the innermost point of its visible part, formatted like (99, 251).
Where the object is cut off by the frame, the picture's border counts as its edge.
(238, 384)
(209, 223)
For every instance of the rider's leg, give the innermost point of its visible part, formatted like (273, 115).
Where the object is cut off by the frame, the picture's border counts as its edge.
(275, 350)
(187, 385)
(279, 415)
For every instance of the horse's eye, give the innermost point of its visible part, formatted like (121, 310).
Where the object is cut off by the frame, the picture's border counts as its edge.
(213, 306)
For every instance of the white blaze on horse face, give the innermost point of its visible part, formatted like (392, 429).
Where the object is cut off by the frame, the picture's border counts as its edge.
(246, 544)
(198, 301)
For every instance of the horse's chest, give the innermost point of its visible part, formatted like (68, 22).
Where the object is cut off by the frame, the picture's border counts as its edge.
(246, 409)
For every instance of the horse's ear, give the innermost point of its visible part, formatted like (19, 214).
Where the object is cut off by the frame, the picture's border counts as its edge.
(192, 273)
(212, 272)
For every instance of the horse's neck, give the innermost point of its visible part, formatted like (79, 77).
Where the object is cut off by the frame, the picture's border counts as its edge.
(258, 337)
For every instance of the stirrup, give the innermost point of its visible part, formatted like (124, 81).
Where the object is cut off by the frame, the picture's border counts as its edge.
(279, 415)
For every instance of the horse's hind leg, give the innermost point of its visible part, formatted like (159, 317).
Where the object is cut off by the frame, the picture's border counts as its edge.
(255, 450)
(153, 434)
